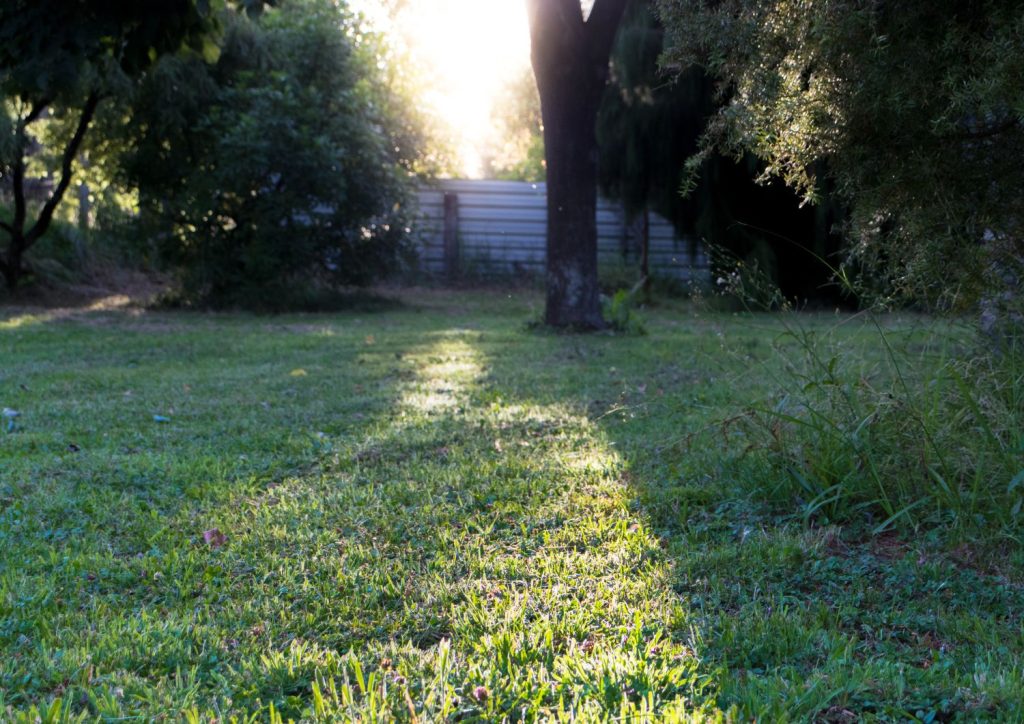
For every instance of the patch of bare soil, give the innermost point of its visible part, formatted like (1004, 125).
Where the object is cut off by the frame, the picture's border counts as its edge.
(104, 291)
(128, 287)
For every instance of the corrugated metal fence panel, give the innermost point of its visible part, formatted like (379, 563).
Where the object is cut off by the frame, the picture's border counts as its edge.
(502, 228)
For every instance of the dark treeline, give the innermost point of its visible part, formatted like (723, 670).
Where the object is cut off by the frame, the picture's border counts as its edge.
(652, 122)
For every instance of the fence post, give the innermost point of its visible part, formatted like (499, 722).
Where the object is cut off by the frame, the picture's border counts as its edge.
(645, 254)
(451, 234)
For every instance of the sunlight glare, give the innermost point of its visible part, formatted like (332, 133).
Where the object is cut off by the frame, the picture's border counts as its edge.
(466, 51)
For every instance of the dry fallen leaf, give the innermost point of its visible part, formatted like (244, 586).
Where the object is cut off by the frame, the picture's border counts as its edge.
(214, 538)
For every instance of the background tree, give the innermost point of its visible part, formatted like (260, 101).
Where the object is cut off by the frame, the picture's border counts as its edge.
(515, 149)
(913, 110)
(642, 145)
(60, 59)
(570, 60)
(284, 166)
(651, 122)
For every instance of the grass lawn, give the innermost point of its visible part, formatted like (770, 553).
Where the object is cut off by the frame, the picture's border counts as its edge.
(429, 512)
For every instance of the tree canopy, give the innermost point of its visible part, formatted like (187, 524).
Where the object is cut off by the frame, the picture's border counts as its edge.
(60, 58)
(651, 122)
(287, 160)
(912, 109)
(263, 148)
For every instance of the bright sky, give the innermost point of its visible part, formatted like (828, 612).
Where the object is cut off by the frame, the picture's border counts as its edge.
(467, 50)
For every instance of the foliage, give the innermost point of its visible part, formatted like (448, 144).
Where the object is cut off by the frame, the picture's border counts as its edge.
(284, 165)
(59, 60)
(407, 512)
(922, 437)
(651, 122)
(515, 150)
(620, 311)
(59, 50)
(908, 444)
(912, 109)
(640, 136)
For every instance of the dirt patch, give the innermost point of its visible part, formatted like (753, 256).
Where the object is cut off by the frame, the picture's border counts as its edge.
(126, 287)
(889, 546)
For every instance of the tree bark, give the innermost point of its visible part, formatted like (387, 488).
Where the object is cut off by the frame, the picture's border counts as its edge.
(570, 61)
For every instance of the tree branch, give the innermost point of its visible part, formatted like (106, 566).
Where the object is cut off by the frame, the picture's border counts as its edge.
(569, 11)
(37, 110)
(543, 12)
(18, 177)
(46, 215)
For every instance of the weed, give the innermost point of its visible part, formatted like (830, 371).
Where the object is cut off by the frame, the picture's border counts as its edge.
(619, 310)
(906, 443)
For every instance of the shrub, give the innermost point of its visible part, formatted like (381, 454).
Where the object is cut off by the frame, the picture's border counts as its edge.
(60, 255)
(283, 167)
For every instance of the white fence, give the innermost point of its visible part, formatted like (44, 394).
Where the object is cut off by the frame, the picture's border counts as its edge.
(498, 227)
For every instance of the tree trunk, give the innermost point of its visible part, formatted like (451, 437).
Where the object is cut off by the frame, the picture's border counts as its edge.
(9, 272)
(570, 62)
(573, 294)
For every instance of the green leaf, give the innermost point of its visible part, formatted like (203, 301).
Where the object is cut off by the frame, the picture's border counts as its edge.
(211, 51)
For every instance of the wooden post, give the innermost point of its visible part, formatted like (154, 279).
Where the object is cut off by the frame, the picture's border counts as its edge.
(84, 206)
(451, 234)
(645, 250)
(626, 235)
(84, 211)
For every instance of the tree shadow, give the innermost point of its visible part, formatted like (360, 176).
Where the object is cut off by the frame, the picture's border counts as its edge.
(443, 501)
(789, 620)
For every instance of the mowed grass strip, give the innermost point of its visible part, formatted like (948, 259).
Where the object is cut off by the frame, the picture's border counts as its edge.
(433, 513)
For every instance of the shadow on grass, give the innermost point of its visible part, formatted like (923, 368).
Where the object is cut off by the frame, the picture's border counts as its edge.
(89, 304)
(792, 622)
(133, 438)
(442, 522)
(309, 301)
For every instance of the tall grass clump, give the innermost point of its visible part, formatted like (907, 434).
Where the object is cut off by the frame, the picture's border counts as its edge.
(937, 446)
(917, 432)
